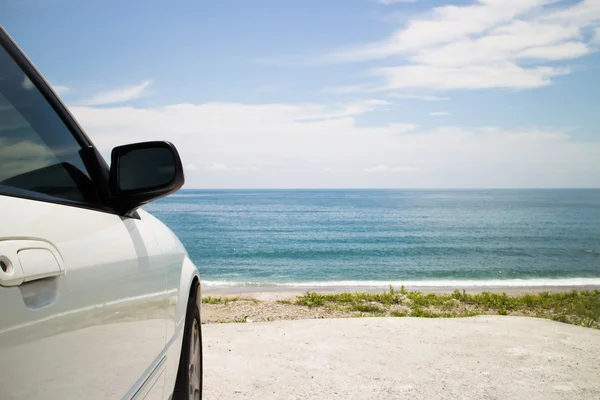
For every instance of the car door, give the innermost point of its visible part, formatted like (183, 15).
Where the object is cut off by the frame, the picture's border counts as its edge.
(82, 289)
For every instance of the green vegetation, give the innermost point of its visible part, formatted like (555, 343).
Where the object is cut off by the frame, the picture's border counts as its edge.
(226, 300)
(318, 300)
(241, 320)
(578, 307)
(366, 308)
(396, 313)
(420, 313)
(312, 300)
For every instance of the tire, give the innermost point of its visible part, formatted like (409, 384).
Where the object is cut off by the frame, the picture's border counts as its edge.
(189, 375)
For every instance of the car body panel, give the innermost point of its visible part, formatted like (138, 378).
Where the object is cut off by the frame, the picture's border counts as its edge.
(181, 273)
(101, 338)
(107, 323)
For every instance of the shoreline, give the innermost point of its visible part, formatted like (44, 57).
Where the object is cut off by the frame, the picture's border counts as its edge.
(578, 306)
(273, 293)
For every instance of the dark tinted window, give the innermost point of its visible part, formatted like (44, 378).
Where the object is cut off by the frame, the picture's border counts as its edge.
(38, 153)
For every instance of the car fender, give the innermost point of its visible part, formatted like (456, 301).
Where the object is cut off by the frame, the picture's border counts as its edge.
(181, 274)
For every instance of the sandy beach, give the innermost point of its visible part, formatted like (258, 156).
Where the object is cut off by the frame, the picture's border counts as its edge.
(272, 303)
(486, 357)
(279, 293)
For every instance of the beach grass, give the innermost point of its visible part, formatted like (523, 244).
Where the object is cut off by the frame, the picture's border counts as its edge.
(241, 320)
(226, 300)
(578, 307)
(366, 308)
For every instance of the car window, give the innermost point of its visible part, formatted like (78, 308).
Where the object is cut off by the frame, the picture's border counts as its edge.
(38, 153)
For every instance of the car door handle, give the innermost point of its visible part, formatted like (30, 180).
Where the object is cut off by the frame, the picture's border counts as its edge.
(24, 261)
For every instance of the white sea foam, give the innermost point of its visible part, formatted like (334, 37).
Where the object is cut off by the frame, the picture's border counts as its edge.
(493, 283)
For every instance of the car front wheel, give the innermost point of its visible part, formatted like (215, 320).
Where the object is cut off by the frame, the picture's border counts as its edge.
(189, 376)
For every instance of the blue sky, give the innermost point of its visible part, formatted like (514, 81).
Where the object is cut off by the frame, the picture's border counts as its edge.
(352, 93)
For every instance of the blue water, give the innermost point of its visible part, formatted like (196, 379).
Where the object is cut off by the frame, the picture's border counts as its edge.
(375, 237)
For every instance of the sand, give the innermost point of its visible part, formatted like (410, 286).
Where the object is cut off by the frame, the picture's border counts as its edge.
(271, 293)
(486, 357)
(268, 304)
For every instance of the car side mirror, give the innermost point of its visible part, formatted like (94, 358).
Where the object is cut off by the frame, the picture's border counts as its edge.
(142, 172)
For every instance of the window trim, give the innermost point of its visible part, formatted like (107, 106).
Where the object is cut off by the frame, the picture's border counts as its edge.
(98, 170)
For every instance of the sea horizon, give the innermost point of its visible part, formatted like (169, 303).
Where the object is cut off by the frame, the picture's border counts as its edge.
(372, 238)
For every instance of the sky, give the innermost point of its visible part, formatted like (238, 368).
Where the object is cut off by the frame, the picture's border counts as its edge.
(333, 93)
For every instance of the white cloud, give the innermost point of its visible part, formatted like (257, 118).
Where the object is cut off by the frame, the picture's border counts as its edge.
(245, 169)
(61, 89)
(580, 13)
(440, 113)
(386, 168)
(505, 75)
(444, 24)
(419, 97)
(562, 51)
(285, 149)
(190, 167)
(217, 167)
(120, 95)
(488, 44)
(337, 169)
(377, 168)
(314, 112)
(502, 44)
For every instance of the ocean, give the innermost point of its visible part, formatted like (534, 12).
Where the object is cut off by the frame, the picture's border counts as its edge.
(321, 238)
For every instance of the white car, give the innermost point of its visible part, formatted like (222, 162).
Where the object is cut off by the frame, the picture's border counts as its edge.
(98, 299)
